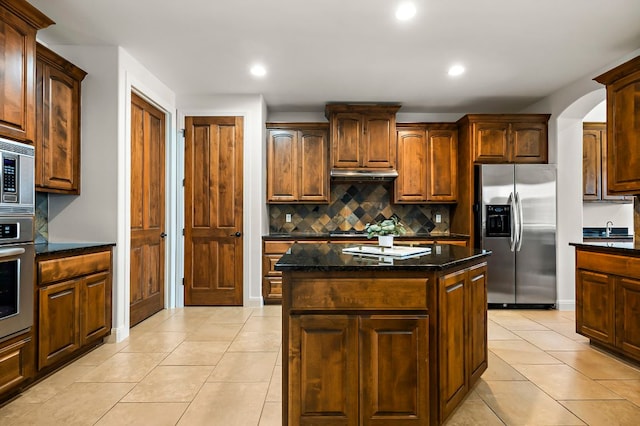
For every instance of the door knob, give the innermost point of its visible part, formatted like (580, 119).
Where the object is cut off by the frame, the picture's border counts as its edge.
(237, 234)
(163, 235)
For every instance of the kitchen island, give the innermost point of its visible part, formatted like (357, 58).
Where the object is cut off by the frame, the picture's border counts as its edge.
(608, 296)
(381, 340)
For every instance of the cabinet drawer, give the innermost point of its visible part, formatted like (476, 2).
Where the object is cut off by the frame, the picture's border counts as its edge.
(277, 247)
(359, 293)
(14, 364)
(609, 263)
(74, 266)
(270, 264)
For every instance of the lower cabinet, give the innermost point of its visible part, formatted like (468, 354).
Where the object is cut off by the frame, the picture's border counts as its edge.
(462, 334)
(74, 304)
(372, 369)
(608, 301)
(16, 363)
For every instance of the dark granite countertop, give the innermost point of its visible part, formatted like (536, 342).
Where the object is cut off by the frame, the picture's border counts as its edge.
(329, 257)
(50, 248)
(337, 236)
(631, 248)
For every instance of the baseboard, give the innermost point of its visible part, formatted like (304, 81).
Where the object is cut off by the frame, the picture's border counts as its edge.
(566, 305)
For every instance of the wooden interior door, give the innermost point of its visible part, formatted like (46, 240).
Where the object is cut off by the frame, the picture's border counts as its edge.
(213, 211)
(147, 209)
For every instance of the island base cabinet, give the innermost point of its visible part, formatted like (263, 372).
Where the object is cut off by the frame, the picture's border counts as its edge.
(358, 370)
(608, 301)
(628, 316)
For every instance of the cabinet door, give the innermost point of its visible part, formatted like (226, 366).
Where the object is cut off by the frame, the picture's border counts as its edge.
(17, 81)
(442, 165)
(528, 143)
(95, 308)
(282, 173)
(346, 134)
(591, 165)
(606, 196)
(323, 370)
(453, 383)
(312, 153)
(59, 322)
(378, 147)
(411, 184)
(394, 365)
(491, 142)
(58, 132)
(16, 363)
(595, 305)
(628, 316)
(477, 336)
(623, 138)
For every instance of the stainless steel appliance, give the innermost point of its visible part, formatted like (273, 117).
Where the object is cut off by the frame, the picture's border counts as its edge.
(17, 195)
(17, 255)
(516, 219)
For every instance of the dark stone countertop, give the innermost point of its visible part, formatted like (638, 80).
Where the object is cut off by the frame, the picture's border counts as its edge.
(69, 248)
(329, 257)
(631, 248)
(338, 236)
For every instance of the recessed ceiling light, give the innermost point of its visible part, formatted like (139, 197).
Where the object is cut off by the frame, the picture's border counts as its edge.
(405, 11)
(258, 70)
(456, 70)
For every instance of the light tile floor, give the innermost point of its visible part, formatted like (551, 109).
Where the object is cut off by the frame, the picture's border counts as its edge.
(223, 366)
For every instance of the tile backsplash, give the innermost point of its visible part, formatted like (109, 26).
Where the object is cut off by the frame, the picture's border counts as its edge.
(42, 217)
(351, 207)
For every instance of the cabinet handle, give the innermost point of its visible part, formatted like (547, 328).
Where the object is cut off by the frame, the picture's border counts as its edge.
(455, 287)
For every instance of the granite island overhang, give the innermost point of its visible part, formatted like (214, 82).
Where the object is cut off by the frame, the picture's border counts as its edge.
(378, 339)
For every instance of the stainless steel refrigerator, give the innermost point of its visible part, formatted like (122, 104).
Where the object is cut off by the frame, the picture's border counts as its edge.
(516, 216)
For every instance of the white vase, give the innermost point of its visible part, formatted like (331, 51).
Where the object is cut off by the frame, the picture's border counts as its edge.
(385, 240)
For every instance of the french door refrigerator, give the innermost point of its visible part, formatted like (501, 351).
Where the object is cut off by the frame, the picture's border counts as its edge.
(516, 219)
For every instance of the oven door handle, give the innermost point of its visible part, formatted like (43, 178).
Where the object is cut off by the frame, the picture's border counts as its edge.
(11, 252)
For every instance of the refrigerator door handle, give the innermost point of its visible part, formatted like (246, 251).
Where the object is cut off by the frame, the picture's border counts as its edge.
(513, 235)
(520, 221)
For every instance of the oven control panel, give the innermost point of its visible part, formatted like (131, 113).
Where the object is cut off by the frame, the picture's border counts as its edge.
(8, 230)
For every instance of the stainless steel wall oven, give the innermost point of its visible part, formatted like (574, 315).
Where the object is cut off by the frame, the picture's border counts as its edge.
(17, 254)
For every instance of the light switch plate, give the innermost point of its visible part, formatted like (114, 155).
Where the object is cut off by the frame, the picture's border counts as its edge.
(287, 217)
(438, 218)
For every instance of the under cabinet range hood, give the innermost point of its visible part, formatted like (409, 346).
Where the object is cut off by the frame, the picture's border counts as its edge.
(363, 174)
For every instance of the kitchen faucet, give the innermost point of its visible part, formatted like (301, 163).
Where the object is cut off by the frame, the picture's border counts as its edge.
(607, 229)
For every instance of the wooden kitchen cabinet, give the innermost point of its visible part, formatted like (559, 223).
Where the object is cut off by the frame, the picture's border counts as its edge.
(623, 122)
(297, 160)
(594, 164)
(363, 136)
(19, 22)
(462, 334)
(608, 300)
(427, 164)
(507, 138)
(17, 364)
(74, 304)
(58, 84)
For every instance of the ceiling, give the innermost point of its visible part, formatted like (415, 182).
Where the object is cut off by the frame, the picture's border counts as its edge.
(319, 51)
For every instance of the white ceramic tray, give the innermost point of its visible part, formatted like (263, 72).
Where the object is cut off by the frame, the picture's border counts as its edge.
(396, 252)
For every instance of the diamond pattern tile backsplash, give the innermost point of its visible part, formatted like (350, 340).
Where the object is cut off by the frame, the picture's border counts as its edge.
(351, 207)
(42, 217)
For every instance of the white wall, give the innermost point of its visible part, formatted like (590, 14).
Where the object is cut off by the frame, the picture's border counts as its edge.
(101, 212)
(253, 109)
(568, 107)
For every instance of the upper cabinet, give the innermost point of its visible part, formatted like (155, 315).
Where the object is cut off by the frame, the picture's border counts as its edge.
(507, 138)
(427, 163)
(623, 122)
(594, 164)
(19, 22)
(297, 163)
(58, 123)
(363, 136)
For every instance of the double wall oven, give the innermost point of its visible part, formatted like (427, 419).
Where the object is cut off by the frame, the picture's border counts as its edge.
(17, 255)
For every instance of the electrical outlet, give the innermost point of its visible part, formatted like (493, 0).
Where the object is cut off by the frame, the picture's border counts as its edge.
(287, 217)
(438, 218)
